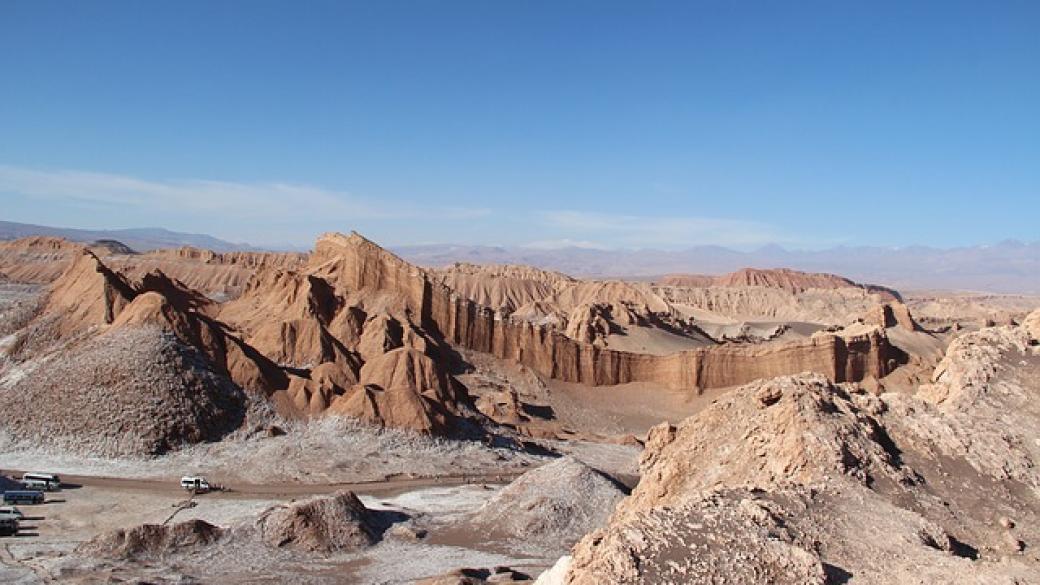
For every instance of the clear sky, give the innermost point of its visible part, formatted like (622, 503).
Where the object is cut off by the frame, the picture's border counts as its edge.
(639, 124)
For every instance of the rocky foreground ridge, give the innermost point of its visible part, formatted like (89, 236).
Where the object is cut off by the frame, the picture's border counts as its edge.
(801, 480)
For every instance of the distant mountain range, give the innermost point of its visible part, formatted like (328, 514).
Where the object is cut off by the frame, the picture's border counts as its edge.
(140, 239)
(1007, 267)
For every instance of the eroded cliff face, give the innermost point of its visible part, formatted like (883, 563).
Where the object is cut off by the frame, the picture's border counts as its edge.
(37, 260)
(357, 331)
(792, 281)
(352, 263)
(555, 355)
(291, 339)
(221, 275)
(679, 313)
(41, 260)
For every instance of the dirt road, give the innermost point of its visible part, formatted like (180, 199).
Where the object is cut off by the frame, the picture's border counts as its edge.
(388, 486)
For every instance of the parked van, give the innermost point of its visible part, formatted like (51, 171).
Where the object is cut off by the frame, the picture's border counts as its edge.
(23, 497)
(8, 526)
(36, 484)
(46, 481)
(11, 511)
(195, 484)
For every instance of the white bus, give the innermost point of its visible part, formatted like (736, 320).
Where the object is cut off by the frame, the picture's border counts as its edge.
(44, 481)
(195, 484)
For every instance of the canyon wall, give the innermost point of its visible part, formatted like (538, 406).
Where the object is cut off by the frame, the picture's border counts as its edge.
(552, 354)
(358, 264)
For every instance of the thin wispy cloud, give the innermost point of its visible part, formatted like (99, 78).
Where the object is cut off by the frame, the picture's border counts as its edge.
(293, 213)
(640, 231)
(275, 202)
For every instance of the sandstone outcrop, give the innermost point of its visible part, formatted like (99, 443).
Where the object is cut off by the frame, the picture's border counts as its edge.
(37, 259)
(798, 480)
(286, 316)
(825, 306)
(550, 507)
(503, 287)
(228, 354)
(590, 323)
(892, 314)
(792, 281)
(405, 389)
(1031, 325)
(674, 306)
(354, 330)
(323, 524)
(88, 294)
(717, 539)
(824, 433)
(223, 275)
(357, 264)
(43, 259)
(152, 540)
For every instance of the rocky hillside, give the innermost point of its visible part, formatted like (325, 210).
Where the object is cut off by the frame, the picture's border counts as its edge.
(799, 480)
(549, 508)
(792, 281)
(352, 330)
(36, 259)
(128, 392)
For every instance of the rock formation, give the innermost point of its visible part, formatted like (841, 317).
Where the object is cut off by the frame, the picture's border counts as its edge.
(893, 314)
(287, 316)
(129, 392)
(403, 388)
(88, 294)
(792, 281)
(321, 525)
(324, 524)
(357, 264)
(798, 480)
(43, 259)
(550, 507)
(37, 259)
(152, 540)
(503, 287)
(353, 330)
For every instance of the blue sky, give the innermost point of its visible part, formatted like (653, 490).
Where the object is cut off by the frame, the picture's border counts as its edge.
(641, 124)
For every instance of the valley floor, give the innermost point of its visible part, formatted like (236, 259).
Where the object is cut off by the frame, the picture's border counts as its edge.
(425, 484)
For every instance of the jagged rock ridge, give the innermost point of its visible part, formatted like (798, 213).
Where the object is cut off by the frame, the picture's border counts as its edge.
(353, 330)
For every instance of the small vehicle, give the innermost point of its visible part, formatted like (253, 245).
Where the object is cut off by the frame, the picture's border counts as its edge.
(36, 484)
(11, 511)
(8, 526)
(195, 484)
(23, 497)
(47, 481)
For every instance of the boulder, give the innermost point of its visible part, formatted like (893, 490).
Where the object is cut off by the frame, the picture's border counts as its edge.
(551, 506)
(324, 524)
(150, 540)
